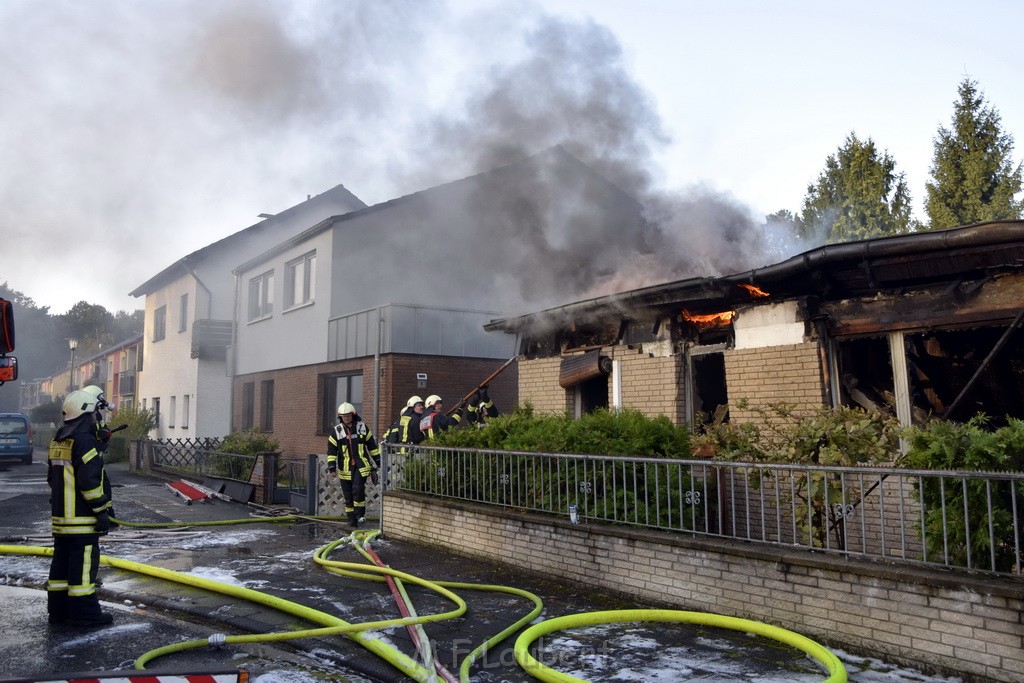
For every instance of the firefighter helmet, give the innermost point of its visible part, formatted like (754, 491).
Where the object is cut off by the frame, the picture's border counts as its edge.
(346, 409)
(432, 399)
(97, 392)
(413, 400)
(78, 403)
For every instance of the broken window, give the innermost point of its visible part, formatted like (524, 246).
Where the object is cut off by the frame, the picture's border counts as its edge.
(707, 396)
(864, 374)
(951, 373)
(942, 363)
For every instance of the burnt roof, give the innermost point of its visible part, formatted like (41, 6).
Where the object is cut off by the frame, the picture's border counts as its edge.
(836, 271)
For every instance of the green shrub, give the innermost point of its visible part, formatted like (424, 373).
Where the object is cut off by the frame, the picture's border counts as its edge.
(962, 504)
(827, 436)
(535, 482)
(250, 442)
(602, 432)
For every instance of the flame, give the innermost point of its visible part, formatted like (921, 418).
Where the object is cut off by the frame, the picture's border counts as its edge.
(711, 319)
(754, 291)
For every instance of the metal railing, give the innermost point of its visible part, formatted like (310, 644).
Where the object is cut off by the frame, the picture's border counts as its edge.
(952, 519)
(200, 457)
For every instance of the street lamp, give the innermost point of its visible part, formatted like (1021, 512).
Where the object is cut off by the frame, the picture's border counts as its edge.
(72, 344)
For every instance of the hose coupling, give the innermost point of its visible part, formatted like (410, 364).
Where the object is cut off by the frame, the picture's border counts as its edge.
(217, 640)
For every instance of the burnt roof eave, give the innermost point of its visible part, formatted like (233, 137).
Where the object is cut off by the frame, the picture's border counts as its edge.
(806, 263)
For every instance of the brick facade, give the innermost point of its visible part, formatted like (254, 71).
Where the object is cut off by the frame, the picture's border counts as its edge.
(790, 373)
(931, 620)
(299, 393)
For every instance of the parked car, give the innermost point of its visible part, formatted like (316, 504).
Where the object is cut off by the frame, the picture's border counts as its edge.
(15, 437)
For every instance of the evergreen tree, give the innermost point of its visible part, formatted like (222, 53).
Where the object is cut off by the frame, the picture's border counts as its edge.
(973, 178)
(858, 195)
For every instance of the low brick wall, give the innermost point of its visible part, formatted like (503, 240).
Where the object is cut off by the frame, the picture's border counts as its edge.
(932, 620)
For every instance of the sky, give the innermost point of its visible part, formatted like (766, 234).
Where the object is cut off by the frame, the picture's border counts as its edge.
(134, 133)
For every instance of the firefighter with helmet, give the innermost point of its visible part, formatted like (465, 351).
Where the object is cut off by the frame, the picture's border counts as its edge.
(406, 429)
(433, 420)
(352, 455)
(81, 508)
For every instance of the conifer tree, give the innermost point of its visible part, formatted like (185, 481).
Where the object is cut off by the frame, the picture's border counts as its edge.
(973, 177)
(858, 195)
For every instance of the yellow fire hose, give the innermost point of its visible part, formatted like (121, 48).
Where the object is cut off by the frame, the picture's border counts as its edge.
(332, 625)
(835, 668)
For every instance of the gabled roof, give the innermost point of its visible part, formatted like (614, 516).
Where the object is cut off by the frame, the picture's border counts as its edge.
(832, 272)
(172, 272)
(556, 153)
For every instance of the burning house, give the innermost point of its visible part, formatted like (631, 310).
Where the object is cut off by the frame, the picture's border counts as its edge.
(918, 325)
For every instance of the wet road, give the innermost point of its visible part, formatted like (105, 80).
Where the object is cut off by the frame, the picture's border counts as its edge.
(277, 559)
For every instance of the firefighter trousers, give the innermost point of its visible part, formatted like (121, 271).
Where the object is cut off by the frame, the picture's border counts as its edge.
(71, 589)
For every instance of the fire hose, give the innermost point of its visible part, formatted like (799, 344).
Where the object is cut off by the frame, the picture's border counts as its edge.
(377, 571)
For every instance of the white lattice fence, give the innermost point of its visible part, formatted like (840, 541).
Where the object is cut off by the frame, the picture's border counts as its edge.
(329, 500)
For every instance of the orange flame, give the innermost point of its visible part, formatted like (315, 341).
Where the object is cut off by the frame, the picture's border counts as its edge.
(754, 291)
(711, 319)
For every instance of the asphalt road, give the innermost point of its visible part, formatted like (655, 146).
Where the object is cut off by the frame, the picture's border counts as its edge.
(276, 560)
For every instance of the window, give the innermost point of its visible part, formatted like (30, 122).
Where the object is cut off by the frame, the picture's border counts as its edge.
(267, 405)
(183, 313)
(248, 404)
(301, 280)
(339, 389)
(173, 410)
(156, 412)
(184, 410)
(159, 323)
(261, 296)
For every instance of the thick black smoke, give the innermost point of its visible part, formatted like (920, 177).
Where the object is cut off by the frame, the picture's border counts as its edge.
(153, 129)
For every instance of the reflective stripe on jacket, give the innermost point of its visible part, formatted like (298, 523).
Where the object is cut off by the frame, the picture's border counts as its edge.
(79, 489)
(365, 446)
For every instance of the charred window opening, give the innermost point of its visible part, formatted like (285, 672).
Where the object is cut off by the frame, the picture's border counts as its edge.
(941, 364)
(592, 394)
(707, 396)
(865, 374)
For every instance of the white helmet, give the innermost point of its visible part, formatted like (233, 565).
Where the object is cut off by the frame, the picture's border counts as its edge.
(346, 409)
(97, 392)
(413, 400)
(432, 399)
(78, 403)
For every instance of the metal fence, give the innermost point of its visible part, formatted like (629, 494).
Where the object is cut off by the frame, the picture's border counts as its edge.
(952, 519)
(201, 457)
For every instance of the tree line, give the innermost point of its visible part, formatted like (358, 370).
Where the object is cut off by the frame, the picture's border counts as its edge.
(860, 194)
(42, 339)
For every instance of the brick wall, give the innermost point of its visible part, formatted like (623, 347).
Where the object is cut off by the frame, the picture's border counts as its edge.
(538, 385)
(790, 373)
(298, 394)
(934, 621)
(651, 384)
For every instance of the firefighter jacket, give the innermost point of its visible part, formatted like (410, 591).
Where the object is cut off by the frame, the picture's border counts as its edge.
(433, 422)
(406, 429)
(79, 490)
(356, 451)
(479, 414)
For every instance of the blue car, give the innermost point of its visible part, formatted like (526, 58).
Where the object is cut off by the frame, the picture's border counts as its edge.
(15, 437)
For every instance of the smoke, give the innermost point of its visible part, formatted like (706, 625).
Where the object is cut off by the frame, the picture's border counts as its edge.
(136, 133)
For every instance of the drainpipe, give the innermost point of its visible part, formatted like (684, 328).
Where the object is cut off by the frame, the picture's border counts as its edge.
(376, 375)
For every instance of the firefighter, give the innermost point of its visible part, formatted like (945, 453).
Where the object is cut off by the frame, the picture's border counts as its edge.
(481, 408)
(103, 432)
(433, 420)
(406, 429)
(352, 456)
(81, 508)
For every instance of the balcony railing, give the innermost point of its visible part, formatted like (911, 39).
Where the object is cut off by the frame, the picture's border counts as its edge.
(211, 338)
